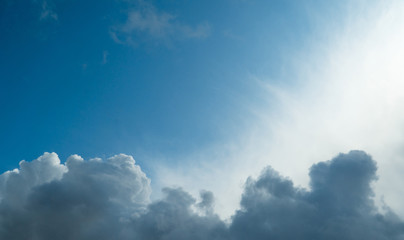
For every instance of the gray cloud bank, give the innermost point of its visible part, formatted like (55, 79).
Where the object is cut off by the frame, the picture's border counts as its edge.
(109, 199)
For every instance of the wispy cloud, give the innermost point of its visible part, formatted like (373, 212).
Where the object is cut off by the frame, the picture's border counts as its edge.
(47, 12)
(147, 22)
(105, 57)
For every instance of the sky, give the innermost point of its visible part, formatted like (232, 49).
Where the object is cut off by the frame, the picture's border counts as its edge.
(89, 79)
(178, 108)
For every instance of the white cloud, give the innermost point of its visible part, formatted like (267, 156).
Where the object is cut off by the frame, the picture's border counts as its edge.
(15, 185)
(118, 174)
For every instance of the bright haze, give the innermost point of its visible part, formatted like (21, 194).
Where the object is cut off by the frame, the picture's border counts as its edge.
(233, 119)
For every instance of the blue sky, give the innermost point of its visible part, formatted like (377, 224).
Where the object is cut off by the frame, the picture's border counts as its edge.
(69, 87)
(239, 117)
(204, 94)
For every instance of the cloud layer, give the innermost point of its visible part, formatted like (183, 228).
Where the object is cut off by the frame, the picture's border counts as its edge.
(109, 199)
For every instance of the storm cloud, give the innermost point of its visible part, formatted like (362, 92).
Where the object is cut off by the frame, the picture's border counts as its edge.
(109, 199)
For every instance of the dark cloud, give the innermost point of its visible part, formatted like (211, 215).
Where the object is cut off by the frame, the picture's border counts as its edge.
(109, 199)
(80, 200)
(339, 205)
(174, 218)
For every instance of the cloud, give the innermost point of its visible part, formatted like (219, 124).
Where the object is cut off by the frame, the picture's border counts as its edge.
(338, 206)
(47, 12)
(105, 57)
(77, 200)
(146, 22)
(99, 199)
(174, 218)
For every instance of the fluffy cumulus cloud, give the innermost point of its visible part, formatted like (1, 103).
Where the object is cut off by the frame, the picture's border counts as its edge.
(109, 199)
(174, 218)
(338, 206)
(77, 200)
